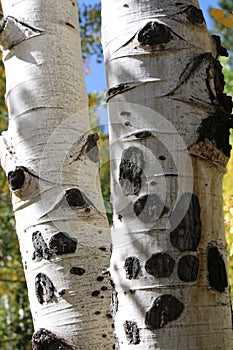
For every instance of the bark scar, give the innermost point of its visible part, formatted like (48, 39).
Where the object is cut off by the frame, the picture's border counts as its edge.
(44, 339)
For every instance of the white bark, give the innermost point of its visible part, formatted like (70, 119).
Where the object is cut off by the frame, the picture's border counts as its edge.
(49, 156)
(168, 267)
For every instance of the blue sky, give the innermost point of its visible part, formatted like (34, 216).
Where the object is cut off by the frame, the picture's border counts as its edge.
(95, 81)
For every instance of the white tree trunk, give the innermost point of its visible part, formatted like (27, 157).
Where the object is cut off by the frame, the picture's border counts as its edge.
(169, 130)
(50, 157)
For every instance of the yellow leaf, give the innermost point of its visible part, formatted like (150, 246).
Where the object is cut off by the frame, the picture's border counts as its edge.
(87, 70)
(220, 17)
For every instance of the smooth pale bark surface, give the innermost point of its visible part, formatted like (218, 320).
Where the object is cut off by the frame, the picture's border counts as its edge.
(50, 157)
(169, 130)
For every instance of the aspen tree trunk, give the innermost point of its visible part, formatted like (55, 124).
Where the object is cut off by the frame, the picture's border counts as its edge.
(169, 131)
(51, 160)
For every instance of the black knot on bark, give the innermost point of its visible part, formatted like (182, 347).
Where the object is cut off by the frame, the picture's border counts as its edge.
(195, 15)
(160, 265)
(77, 271)
(154, 33)
(75, 198)
(217, 274)
(61, 243)
(16, 178)
(166, 308)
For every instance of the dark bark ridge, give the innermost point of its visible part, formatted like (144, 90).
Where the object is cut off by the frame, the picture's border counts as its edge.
(216, 128)
(217, 274)
(221, 51)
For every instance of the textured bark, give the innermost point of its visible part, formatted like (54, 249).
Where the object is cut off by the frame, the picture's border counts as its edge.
(169, 144)
(50, 157)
